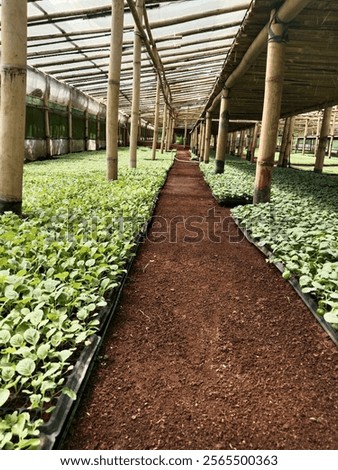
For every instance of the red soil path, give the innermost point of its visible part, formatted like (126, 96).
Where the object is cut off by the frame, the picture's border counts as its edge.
(210, 348)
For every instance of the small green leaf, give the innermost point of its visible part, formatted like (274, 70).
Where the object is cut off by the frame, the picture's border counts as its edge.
(25, 367)
(32, 336)
(69, 392)
(5, 336)
(4, 395)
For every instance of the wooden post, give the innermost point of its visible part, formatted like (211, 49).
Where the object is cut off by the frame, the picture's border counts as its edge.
(112, 122)
(271, 110)
(202, 142)
(46, 118)
(135, 113)
(98, 132)
(233, 143)
(185, 133)
(164, 127)
(284, 141)
(332, 134)
(222, 132)
(13, 103)
(86, 130)
(317, 136)
(289, 141)
(305, 135)
(254, 142)
(208, 125)
(241, 143)
(168, 132)
(157, 118)
(70, 126)
(325, 129)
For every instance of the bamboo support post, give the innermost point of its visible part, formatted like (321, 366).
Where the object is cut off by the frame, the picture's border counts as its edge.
(306, 128)
(284, 141)
(333, 125)
(324, 131)
(289, 142)
(135, 113)
(164, 127)
(112, 122)
(185, 133)
(13, 103)
(208, 126)
(202, 142)
(98, 132)
(254, 142)
(70, 126)
(271, 110)
(46, 118)
(241, 144)
(86, 130)
(223, 127)
(157, 119)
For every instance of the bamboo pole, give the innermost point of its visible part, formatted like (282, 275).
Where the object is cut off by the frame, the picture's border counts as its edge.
(112, 122)
(332, 134)
(46, 118)
(86, 130)
(185, 133)
(284, 141)
(70, 125)
(98, 132)
(324, 131)
(168, 132)
(223, 127)
(288, 149)
(317, 135)
(157, 118)
(305, 135)
(135, 112)
(164, 127)
(254, 142)
(275, 64)
(208, 125)
(241, 143)
(13, 103)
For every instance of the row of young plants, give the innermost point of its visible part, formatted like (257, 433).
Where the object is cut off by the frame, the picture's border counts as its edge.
(299, 226)
(57, 265)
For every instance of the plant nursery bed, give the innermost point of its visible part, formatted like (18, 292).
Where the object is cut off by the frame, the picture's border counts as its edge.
(209, 347)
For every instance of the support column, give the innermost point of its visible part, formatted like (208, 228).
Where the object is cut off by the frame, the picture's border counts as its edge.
(223, 127)
(332, 134)
(185, 133)
(13, 103)
(324, 132)
(284, 141)
(112, 123)
(241, 144)
(135, 113)
(317, 136)
(271, 110)
(208, 125)
(46, 118)
(98, 132)
(157, 118)
(164, 127)
(86, 130)
(254, 142)
(289, 141)
(202, 143)
(70, 126)
(167, 132)
(305, 135)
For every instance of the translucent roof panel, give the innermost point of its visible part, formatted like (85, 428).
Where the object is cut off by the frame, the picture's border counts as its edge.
(70, 41)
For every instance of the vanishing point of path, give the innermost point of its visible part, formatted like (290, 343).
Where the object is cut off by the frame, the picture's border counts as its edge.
(210, 348)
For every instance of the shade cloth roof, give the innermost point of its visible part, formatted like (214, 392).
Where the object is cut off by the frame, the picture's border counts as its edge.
(198, 41)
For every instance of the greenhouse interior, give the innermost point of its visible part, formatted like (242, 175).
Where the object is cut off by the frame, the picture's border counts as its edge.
(169, 225)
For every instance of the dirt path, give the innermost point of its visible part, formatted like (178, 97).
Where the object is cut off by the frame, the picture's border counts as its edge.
(210, 347)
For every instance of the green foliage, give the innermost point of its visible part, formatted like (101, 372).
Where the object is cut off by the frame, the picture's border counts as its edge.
(300, 227)
(57, 265)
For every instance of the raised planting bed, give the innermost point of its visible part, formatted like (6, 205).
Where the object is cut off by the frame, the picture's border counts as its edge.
(62, 267)
(233, 187)
(299, 232)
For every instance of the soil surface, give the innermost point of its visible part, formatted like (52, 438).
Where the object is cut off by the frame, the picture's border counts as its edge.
(210, 348)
